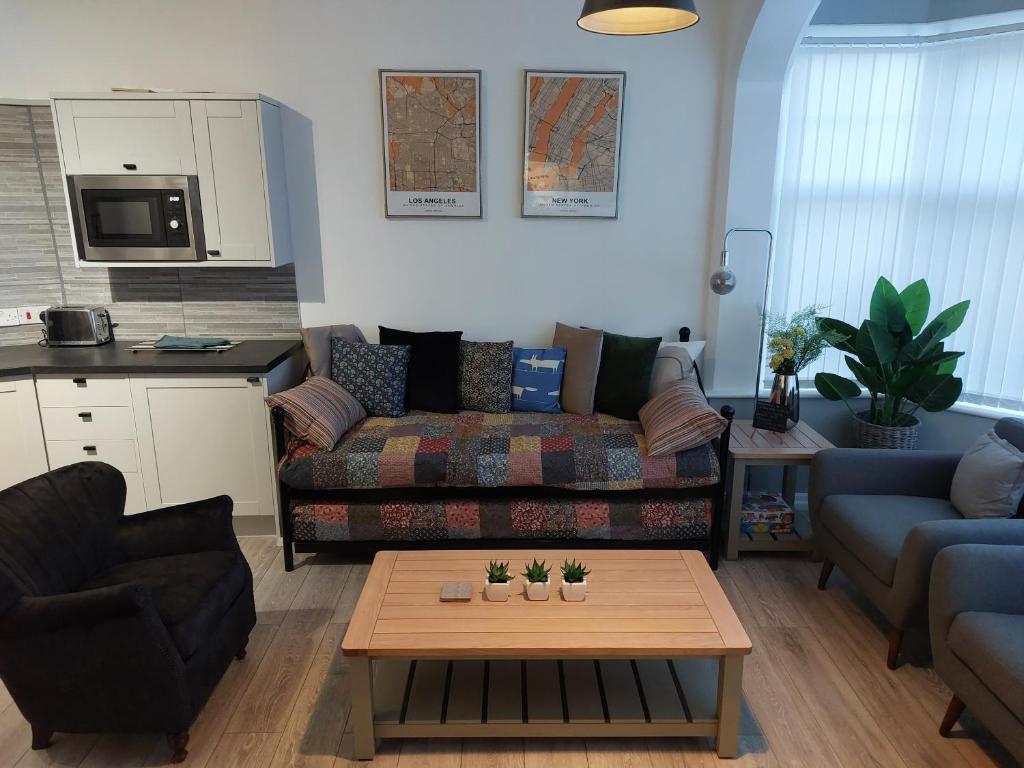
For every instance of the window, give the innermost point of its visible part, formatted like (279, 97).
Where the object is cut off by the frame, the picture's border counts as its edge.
(905, 160)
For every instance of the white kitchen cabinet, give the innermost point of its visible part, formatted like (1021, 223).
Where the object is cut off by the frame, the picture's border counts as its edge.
(120, 136)
(22, 448)
(202, 436)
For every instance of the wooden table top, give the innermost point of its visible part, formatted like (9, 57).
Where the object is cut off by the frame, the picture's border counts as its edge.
(640, 603)
(799, 443)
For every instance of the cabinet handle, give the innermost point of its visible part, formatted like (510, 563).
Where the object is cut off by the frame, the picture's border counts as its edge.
(79, 381)
(84, 415)
(130, 167)
(213, 253)
(253, 379)
(89, 448)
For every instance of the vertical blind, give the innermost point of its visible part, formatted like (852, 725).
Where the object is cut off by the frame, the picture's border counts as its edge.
(906, 161)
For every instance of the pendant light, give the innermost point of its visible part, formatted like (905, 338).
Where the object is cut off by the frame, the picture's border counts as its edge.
(637, 17)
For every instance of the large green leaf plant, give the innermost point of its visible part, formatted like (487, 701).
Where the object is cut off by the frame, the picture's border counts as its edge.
(899, 359)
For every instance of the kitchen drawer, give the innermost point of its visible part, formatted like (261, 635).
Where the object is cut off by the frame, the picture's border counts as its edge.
(106, 422)
(73, 391)
(118, 453)
(135, 501)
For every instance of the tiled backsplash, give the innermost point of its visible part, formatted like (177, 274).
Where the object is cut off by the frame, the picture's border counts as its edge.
(36, 260)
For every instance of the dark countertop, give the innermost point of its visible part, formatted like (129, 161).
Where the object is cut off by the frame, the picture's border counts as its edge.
(253, 357)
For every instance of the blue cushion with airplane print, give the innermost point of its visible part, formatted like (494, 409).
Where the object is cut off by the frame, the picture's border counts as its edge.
(537, 379)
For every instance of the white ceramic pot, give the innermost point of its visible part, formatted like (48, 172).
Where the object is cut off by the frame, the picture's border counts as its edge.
(538, 590)
(497, 592)
(575, 592)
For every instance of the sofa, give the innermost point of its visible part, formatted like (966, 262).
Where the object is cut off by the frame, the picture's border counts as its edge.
(513, 479)
(111, 623)
(882, 516)
(976, 610)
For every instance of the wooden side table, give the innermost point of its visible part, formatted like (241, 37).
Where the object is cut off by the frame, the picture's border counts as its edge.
(750, 447)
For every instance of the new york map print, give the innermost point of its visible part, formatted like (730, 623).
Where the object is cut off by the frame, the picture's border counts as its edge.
(572, 143)
(432, 131)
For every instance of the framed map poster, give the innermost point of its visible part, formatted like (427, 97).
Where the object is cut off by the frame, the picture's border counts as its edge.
(571, 143)
(431, 123)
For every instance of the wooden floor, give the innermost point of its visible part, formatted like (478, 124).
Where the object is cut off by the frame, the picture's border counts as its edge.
(816, 691)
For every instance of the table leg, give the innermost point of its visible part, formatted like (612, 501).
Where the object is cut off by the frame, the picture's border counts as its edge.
(361, 671)
(789, 485)
(739, 481)
(730, 692)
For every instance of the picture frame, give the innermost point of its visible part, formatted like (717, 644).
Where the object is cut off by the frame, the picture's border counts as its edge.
(572, 143)
(431, 135)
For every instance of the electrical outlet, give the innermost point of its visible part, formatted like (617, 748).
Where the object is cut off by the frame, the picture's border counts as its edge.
(8, 316)
(30, 315)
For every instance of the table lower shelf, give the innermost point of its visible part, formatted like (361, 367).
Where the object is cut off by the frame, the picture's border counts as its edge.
(799, 539)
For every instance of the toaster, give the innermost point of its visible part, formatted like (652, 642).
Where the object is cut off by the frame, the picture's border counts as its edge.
(77, 326)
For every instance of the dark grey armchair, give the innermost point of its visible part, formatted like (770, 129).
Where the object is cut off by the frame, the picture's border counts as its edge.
(882, 516)
(111, 623)
(976, 613)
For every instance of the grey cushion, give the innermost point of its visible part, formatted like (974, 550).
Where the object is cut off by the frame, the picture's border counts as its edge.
(317, 342)
(990, 645)
(582, 362)
(989, 479)
(873, 528)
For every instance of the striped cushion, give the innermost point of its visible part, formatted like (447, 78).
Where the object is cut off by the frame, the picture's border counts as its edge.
(319, 410)
(679, 419)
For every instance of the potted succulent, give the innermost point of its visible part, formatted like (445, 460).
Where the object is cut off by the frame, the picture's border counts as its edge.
(496, 588)
(574, 581)
(538, 586)
(900, 360)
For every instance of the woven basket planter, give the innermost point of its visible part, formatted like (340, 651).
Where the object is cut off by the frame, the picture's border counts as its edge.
(867, 435)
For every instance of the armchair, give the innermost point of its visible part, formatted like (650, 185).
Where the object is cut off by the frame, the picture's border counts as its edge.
(882, 516)
(113, 623)
(976, 613)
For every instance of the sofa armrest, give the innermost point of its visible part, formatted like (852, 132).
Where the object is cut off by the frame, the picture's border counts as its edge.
(35, 615)
(198, 526)
(975, 577)
(927, 540)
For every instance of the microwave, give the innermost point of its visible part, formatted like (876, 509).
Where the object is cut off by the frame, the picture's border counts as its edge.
(137, 218)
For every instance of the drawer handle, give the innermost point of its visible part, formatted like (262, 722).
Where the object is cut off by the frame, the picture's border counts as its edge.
(85, 416)
(213, 253)
(89, 448)
(253, 379)
(79, 381)
(130, 167)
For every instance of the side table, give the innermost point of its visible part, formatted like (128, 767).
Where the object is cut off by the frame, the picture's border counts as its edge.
(750, 447)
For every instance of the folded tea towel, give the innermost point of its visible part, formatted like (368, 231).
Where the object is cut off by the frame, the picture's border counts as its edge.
(188, 342)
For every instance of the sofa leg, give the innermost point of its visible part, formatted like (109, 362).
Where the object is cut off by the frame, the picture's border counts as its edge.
(41, 737)
(289, 557)
(953, 712)
(177, 742)
(826, 571)
(241, 653)
(895, 641)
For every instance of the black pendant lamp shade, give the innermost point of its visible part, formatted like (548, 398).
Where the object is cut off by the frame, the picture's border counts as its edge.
(637, 17)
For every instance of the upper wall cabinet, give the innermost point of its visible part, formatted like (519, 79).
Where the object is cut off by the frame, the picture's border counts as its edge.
(231, 144)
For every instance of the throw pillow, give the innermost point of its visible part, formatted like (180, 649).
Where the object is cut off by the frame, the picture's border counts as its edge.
(672, 363)
(537, 379)
(485, 376)
(989, 479)
(582, 361)
(679, 419)
(317, 342)
(433, 382)
(624, 378)
(373, 373)
(319, 411)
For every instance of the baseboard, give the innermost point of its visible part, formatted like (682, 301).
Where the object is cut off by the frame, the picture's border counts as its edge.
(254, 525)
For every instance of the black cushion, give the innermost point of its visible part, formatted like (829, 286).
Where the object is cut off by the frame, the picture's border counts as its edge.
(432, 383)
(191, 592)
(624, 378)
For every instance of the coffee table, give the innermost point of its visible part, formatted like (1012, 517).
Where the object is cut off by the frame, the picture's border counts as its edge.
(655, 650)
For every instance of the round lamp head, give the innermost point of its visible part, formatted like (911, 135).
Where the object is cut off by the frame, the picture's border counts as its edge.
(637, 17)
(723, 281)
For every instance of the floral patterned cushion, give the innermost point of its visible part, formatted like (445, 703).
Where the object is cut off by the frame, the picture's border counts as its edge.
(374, 374)
(485, 376)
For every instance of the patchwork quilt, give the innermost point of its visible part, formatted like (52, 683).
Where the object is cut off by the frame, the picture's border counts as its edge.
(494, 450)
(620, 520)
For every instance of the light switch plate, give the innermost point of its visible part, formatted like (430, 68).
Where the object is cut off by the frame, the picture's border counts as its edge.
(30, 315)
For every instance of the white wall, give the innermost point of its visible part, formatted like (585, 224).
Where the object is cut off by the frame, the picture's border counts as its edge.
(496, 278)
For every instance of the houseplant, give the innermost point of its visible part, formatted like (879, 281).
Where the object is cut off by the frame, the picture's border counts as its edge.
(538, 586)
(900, 360)
(793, 344)
(496, 588)
(574, 581)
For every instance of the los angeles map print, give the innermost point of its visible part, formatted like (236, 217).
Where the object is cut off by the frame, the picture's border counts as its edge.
(573, 134)
(431, 126)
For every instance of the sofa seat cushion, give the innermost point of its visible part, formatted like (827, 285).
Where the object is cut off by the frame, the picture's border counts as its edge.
(617, 519)
(191, 592)
(989, 644)
(873, 528)
(473, 449)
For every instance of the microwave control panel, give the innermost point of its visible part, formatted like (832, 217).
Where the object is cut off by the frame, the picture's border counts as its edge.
(175, 223)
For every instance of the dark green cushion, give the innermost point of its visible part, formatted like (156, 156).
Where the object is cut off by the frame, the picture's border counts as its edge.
(624, 378)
